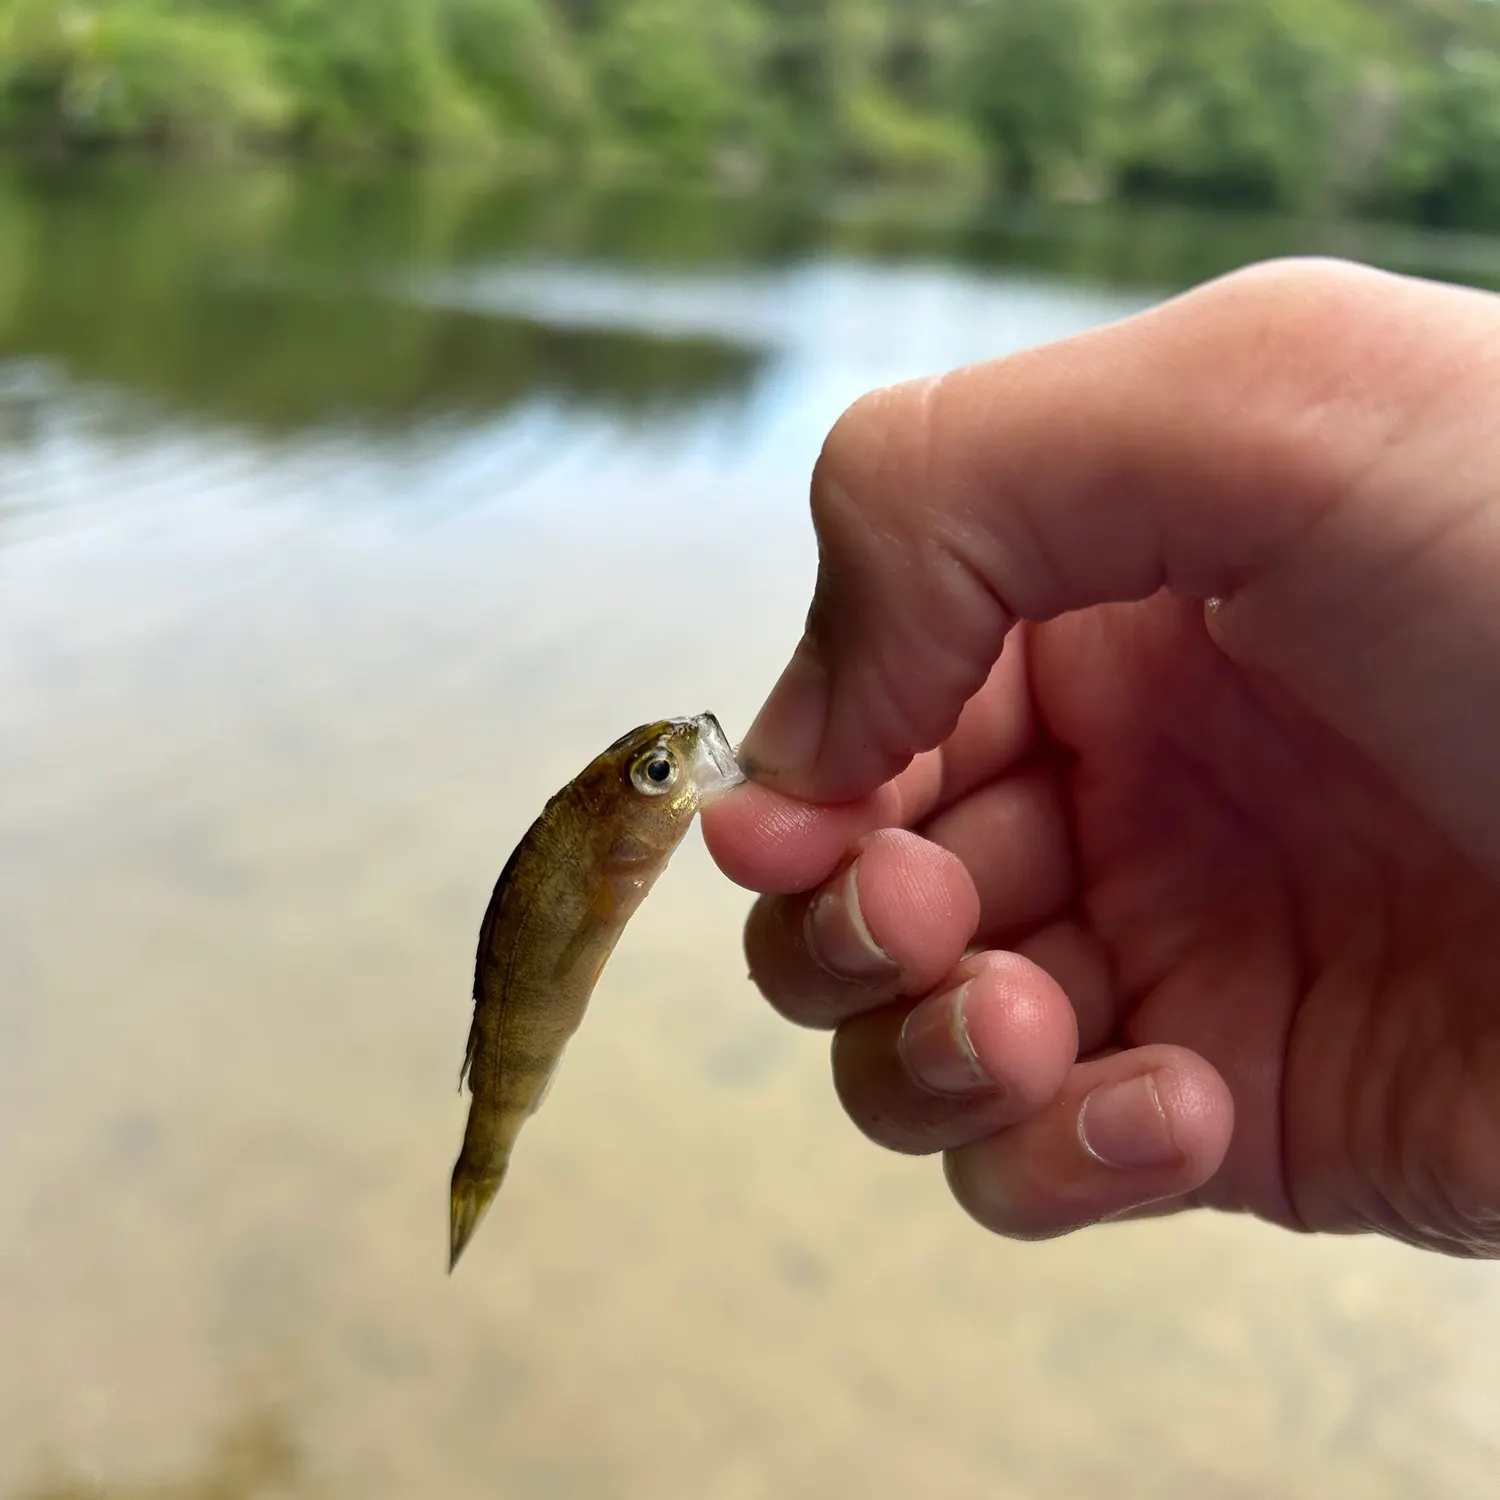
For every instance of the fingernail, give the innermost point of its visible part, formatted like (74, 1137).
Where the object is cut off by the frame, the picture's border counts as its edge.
(837, 936)
(936, 1049)
(788, 730)
(1123, 1125)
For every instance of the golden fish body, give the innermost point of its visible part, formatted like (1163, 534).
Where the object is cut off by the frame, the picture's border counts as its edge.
(557, 911)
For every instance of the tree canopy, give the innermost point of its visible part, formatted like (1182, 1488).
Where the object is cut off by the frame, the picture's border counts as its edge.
(1390, 106)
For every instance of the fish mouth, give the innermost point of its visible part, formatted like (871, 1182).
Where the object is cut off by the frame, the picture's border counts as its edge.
(715, 769)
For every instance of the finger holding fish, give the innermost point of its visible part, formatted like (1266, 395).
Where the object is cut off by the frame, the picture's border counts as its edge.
(772, 843)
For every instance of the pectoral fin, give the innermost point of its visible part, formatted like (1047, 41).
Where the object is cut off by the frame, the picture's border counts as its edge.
(595, 937)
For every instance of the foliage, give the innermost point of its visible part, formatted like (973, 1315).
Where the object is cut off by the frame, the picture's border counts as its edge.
(369, 73)
(1445, 164)
(515, 57)
(678, 76)
(1239, 103)
(1296, 104)
(1034, 83)
(74, 74)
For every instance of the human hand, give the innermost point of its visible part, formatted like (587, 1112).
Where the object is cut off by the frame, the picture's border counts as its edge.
(1227, 874)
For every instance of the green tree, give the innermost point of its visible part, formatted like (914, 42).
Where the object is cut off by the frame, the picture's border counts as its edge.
(897, 114)
(678, 76)
(370, 74)
(1383, 104)
(523, 65)
(799, 76)
(1235, 100)
(137, 70)
(1445, 168)
(1033, 81)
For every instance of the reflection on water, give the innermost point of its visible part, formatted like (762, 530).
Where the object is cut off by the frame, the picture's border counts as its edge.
(279, 342)
(340, 522)
(264, 298)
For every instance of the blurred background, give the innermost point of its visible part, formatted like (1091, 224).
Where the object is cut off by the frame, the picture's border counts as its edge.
(399, 399)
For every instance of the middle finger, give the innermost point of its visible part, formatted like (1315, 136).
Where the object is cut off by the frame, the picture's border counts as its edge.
(891, 923)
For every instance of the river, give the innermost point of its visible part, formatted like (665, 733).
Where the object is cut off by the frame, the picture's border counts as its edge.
(342, 517)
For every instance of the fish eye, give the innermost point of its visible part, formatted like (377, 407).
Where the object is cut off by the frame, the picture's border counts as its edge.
(654, 773)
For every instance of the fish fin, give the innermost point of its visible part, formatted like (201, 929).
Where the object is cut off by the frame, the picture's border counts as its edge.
(546, 1088)
(471, 1199)
(470, 1047)
(601, 914)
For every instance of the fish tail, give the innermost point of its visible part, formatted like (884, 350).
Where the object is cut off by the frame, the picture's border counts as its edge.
(471, 1198)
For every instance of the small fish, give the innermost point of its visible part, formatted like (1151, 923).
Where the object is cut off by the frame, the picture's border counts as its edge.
(558, 909)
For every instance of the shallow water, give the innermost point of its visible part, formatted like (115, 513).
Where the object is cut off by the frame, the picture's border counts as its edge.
(340, 522)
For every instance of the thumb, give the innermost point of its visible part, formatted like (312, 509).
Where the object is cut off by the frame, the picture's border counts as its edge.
(1278, 438)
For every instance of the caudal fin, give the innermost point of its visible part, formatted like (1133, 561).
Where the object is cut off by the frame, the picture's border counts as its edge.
(471, 1199)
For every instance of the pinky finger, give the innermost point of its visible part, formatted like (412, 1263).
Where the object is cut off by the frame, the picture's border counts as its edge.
(1136, 1128)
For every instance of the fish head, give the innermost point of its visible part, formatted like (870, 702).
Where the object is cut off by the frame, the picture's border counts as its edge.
(658, 776)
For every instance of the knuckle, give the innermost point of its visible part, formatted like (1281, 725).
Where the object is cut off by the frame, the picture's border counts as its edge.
(1316, 365)
(1302, 324)
(1303, 299)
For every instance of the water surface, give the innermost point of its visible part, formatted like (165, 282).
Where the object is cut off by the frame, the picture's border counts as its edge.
(342, 519)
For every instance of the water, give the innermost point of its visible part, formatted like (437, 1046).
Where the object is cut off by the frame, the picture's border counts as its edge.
(341, 519)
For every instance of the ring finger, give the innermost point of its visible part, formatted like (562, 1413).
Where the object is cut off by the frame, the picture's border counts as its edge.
(990, 1049)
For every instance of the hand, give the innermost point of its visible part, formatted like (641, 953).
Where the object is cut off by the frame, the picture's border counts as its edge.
(1219, 829)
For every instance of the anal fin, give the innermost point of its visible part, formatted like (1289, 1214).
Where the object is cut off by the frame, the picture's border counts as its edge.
(546, 1087)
